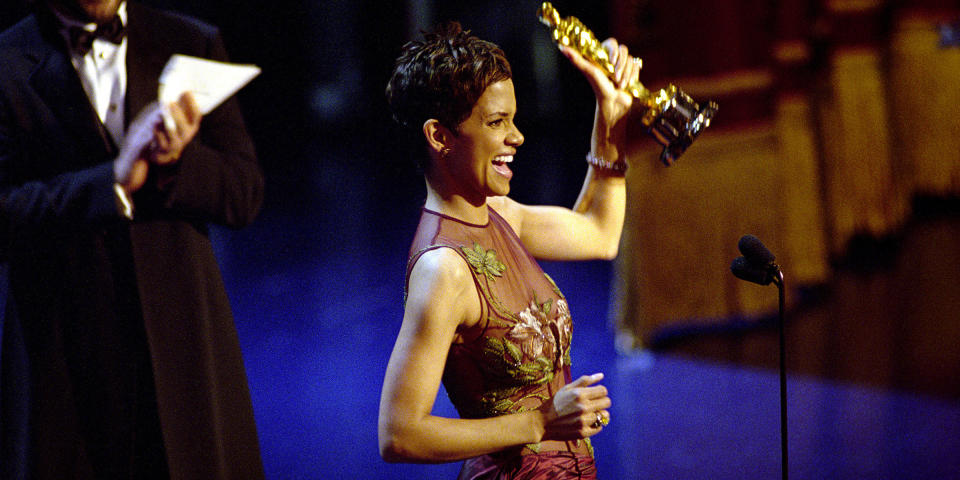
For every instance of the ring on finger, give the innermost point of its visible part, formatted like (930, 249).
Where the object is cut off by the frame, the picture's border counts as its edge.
(600, 422)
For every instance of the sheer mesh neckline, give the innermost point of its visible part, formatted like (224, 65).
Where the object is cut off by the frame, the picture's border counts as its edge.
(463, 222)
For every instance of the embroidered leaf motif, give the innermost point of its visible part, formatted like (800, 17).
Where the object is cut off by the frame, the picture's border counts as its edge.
(545, 308)
(503, 406)
(505, 364)
(536, 371)
(484, 262)
(496, 402)
(514, 351)
(495, 347)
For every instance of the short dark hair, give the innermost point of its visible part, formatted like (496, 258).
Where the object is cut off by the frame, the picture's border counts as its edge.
(442, 77)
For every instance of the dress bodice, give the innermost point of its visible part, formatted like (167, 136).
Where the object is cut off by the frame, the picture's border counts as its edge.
(518, 355)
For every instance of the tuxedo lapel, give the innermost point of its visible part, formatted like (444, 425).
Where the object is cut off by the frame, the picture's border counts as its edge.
(58, 86)
(146, 58)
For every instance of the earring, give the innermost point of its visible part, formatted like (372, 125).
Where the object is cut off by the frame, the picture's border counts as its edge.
(444, 152)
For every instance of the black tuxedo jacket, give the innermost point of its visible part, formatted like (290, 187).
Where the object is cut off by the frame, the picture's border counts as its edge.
(130, 362)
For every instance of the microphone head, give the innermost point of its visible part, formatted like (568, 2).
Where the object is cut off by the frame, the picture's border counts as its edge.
(752, 248)
(744, 270)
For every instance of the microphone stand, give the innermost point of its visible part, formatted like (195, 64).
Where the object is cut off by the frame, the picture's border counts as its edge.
(778, 281)
(756, 265)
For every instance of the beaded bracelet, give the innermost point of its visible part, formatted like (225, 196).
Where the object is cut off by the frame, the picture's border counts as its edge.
(619, 167)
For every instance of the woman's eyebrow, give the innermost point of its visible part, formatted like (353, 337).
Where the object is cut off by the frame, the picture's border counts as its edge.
(498, 114)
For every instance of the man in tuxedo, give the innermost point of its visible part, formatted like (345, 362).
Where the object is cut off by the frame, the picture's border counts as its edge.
(122, 360)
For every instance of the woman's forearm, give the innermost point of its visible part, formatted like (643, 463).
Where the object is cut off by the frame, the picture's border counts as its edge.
(437, 439)
(603, 196)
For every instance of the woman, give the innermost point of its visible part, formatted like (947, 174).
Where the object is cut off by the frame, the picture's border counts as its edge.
(480, 315)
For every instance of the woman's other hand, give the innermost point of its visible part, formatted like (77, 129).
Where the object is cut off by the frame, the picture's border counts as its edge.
(576, 410)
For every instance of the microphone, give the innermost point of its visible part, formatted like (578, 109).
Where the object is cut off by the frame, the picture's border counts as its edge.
(752, 248)
(742, 269)
(756, 265)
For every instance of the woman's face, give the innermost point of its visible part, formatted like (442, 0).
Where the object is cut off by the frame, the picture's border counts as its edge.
(480, 155)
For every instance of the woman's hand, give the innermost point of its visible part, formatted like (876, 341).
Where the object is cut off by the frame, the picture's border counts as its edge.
(575, 411)
(614, 101)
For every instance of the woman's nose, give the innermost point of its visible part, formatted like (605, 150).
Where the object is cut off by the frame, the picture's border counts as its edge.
(515, 138)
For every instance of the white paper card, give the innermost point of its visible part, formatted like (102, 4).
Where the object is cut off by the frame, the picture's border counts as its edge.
(211, 82)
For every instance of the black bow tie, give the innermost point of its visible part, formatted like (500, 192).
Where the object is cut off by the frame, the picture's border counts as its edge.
(81, 39)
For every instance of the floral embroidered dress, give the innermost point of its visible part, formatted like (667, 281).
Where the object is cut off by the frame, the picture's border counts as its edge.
(517, 356)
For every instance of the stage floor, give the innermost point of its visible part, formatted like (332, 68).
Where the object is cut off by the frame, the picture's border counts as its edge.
(318, 303)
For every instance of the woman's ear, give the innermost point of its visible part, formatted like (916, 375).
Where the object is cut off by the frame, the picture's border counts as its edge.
(438, 137)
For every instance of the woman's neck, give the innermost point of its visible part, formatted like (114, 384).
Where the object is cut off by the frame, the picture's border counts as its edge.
(456, 206)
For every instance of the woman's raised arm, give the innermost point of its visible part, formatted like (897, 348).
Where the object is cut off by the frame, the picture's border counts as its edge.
(592, 228)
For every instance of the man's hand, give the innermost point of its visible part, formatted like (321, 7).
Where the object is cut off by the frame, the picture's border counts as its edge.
(130, 167)
(183, 121)
(148, 141)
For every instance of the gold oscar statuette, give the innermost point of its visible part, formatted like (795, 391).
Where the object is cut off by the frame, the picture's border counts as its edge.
(670, 116)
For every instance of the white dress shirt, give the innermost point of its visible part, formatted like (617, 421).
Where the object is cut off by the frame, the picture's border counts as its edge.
(103, 74)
